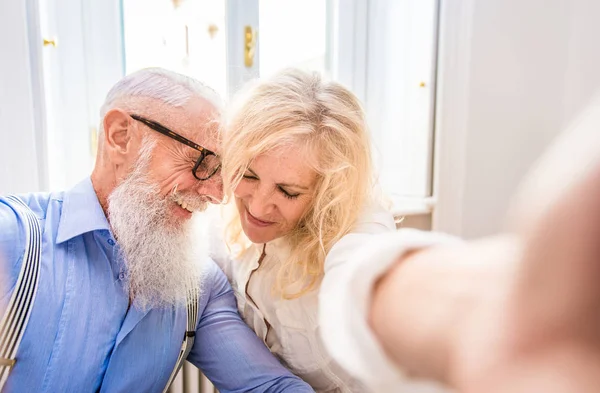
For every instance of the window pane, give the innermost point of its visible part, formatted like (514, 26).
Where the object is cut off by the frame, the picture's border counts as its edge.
(294, 33)
(400, 93)
(183, 36)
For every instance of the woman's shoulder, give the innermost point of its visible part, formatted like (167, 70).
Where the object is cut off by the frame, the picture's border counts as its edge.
(374, 218)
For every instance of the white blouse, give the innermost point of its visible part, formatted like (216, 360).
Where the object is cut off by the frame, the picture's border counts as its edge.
(323, 336)
(344, 308)
(291, 328)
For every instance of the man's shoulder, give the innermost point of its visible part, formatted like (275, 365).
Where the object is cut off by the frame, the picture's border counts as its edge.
(13, 229)
(12, 236)
(38, 202)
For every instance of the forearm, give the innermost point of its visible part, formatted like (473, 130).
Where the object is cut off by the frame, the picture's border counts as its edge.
(420, 307)
(229, 352)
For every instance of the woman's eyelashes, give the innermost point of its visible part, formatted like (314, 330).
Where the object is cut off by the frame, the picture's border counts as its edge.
(248, 176)
(287, 194)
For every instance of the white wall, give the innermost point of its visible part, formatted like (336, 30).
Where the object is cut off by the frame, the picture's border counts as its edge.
(583, 67)
(512, 75)
(19, 170)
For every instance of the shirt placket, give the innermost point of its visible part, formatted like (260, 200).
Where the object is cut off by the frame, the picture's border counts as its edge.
(251, 303)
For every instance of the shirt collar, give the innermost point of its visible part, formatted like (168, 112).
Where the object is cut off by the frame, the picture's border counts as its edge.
(279, 248)
(81, 212)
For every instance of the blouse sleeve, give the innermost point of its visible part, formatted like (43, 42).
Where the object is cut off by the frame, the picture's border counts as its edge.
(351, 269)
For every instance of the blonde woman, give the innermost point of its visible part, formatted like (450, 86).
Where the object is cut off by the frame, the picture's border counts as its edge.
(297, 162)
(307, 234)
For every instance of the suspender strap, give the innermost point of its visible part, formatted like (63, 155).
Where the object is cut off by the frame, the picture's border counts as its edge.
(189, 336)
(17, 314)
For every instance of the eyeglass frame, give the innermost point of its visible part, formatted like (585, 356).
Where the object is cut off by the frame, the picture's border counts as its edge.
(173, 135)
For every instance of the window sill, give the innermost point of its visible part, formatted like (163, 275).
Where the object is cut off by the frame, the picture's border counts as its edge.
(411, 206)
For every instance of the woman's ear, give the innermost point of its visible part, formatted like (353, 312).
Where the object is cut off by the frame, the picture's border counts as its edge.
(118, 136)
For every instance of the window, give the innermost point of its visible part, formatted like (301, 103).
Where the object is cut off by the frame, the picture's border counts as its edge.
(188, 37)
(400, 96)
(383, 50)
(204, 39)
(294, 34)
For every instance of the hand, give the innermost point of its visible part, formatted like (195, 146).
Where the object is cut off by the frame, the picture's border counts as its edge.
(541, 333)
(514, 313)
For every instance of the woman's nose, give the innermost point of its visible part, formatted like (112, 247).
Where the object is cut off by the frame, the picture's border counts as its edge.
(260, 204)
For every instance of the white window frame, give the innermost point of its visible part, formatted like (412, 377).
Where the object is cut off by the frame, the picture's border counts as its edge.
(456, 20)
(239, 14)
(359, 49)
(350, 34)
(353, 64)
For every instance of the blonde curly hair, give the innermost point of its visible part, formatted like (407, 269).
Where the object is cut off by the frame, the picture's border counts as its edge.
(299, 109)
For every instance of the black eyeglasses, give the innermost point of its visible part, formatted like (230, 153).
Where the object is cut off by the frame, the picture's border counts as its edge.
(207, 164)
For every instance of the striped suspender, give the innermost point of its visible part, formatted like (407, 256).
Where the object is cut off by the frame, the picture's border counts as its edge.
(19, 308)
(188, 338)
(17, 313)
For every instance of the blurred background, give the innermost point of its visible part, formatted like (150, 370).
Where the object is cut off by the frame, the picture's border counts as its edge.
(462, 95)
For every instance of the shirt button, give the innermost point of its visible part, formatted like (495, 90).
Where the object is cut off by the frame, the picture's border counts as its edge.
(121, 276)
(111, 242)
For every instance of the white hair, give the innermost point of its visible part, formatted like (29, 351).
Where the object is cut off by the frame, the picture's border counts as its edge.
(160, 84)
(163, 257)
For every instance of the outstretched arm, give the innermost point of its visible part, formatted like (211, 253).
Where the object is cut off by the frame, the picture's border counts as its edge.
(517, 313)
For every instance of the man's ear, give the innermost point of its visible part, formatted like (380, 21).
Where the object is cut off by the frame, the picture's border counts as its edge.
(118, 135)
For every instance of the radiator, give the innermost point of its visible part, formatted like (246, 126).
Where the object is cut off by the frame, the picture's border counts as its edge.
(191, 380)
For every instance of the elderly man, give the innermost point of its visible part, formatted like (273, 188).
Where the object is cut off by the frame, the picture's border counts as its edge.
(123, 290)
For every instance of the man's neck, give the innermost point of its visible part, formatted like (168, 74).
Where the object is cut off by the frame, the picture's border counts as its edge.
(102, 189)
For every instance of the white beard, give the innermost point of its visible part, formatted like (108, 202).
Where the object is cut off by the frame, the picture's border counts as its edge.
(163, 260)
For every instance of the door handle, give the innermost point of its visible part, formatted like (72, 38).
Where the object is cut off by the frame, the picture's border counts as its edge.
(249, 46)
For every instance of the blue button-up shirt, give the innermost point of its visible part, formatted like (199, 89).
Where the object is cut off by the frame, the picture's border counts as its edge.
(82, 335)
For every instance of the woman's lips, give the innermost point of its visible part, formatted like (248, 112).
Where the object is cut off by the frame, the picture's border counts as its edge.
(257, 222)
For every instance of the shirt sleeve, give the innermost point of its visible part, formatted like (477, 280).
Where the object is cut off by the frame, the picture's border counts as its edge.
(12, 249)
(229, 352)
(351, 270)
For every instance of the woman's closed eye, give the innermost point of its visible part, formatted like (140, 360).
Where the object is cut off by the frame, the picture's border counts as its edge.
(249, 176)
(287, 194)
